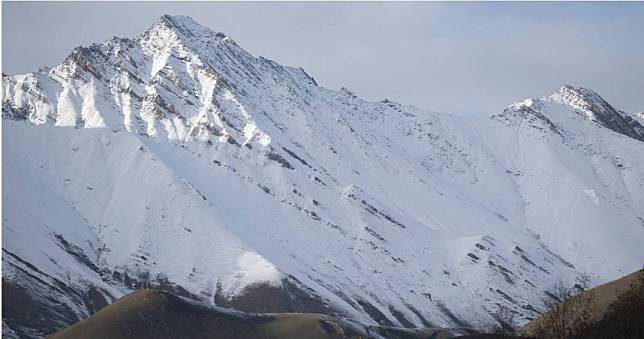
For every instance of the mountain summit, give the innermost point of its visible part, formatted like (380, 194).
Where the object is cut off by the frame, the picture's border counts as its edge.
(177, 160)
(597, 109)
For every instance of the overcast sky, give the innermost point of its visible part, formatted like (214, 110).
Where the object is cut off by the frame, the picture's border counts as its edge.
(461, 58)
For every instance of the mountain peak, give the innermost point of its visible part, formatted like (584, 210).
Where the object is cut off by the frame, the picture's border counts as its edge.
(583, 99)
(591, 105)
(179, 19)
(184, 24)
(184, 27)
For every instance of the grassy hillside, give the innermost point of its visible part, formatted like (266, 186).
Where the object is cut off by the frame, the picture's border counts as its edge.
(616, 309)
(159, 314)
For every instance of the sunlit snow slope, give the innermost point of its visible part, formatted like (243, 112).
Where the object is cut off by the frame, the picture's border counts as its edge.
(178, 160)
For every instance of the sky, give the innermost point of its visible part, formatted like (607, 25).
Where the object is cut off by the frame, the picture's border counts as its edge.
(464, 58)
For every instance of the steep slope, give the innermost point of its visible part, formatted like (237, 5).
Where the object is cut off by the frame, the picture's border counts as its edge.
(178, 160)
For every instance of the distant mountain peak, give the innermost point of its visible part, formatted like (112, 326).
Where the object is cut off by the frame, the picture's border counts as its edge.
(583, 99)
(185, 28)
(182, 20)
(591, 105)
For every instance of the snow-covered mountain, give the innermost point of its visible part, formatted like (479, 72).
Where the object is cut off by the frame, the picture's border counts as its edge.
(178, 160)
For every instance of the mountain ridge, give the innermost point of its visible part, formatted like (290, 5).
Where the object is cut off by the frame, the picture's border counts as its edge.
(377, 211)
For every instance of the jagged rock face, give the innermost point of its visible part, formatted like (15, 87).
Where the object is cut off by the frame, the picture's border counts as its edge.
(178, 160)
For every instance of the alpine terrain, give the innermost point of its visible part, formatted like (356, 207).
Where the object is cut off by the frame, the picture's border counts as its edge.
(176, 160)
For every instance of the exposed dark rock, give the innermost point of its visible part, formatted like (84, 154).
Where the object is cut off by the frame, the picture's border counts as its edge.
(504, 271)
(420, 316)
(534, 118)
(473, 256)
(375, 313)
(375, 234)
(30, 315)
(14, 113)
(272, 155)
(373, 210)
(76, 252)
(292, 154)
(401, 317)
(506, 296)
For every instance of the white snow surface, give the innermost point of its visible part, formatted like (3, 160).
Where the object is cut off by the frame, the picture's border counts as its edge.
(179, 154)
